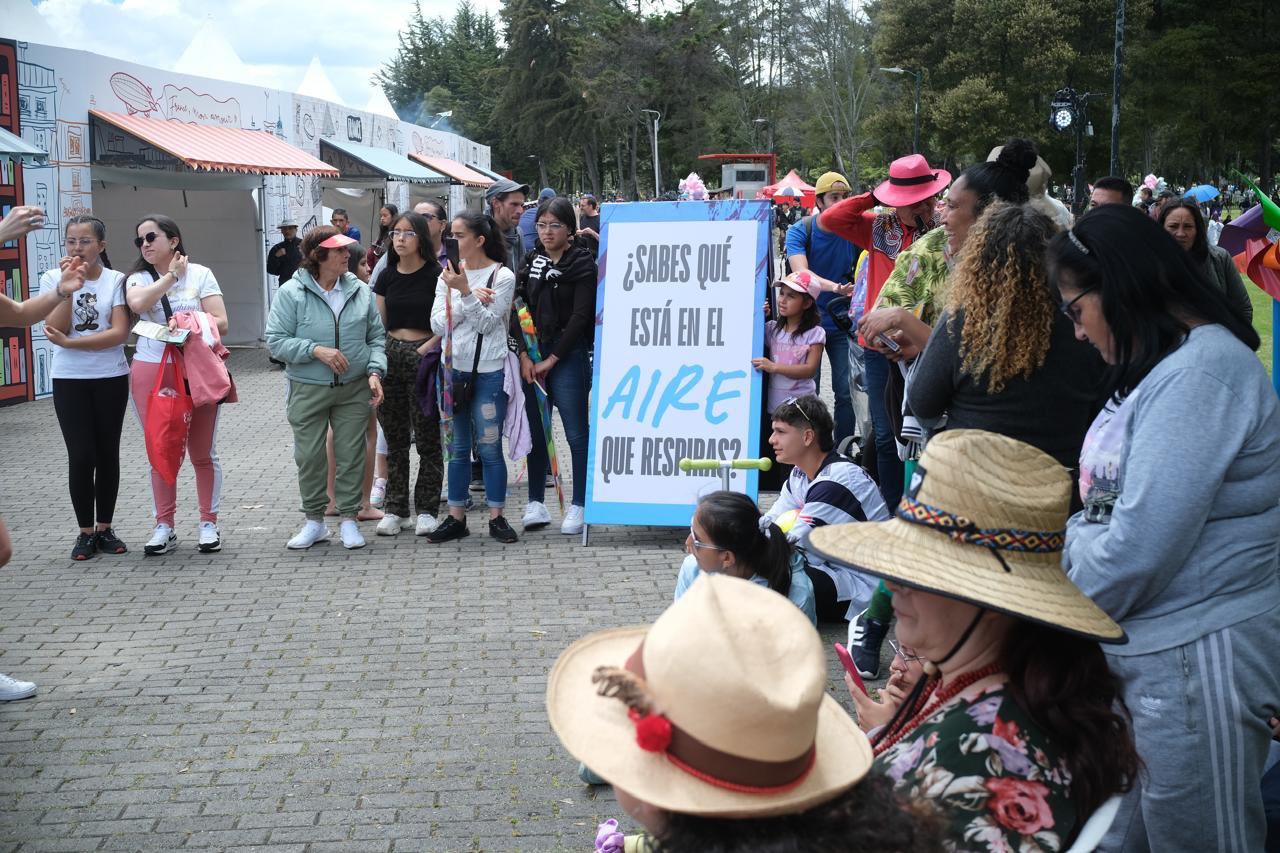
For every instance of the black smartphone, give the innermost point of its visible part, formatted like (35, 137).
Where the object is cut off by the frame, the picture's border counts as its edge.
(451, 253)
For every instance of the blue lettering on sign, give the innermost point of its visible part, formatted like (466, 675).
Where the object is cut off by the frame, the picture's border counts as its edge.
(680, 392)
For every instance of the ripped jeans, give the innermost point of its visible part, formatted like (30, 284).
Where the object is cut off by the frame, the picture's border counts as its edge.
(483, 416)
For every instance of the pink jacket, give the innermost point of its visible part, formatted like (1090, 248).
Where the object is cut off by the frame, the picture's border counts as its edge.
(205, 358)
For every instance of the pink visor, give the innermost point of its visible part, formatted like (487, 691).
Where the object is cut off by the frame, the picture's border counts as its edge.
(337, 241)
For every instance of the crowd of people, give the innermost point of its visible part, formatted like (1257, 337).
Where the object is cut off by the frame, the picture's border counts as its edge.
(1052, 472)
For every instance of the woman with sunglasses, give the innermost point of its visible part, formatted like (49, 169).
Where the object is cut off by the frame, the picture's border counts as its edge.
(558, 282)
(1180, 478)
(90, 383)
(161, 283)
(1001, 356)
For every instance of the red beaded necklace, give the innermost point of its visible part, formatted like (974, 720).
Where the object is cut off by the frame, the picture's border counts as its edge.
(937, 698)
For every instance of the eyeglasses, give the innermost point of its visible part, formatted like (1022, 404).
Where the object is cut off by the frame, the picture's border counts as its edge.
(906, 654)
(550, 226)
(75, 242)
(1068, 308)
(693, 537)
(398, 235)
(795, 401)
(149, 239)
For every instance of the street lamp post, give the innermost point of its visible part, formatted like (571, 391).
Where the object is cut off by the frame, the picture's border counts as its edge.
(657, 180)
(765, 121)
(915, 133)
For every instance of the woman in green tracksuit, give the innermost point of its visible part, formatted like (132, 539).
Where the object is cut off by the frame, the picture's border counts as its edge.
(324, 325)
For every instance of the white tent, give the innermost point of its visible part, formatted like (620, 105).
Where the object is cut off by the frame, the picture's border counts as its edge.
(210, 54)
(316, 84)
(379, 105)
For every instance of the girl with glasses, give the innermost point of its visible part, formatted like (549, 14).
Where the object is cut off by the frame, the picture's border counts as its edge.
(405, 292)
(557, 280)
(161, 283)
(726, 536)
(90, 382)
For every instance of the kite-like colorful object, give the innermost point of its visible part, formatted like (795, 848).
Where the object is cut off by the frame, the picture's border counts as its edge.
(530, 333)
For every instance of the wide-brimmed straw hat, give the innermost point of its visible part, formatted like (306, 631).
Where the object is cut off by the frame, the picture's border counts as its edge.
(911, 179)
(719, 708)
(983, 521)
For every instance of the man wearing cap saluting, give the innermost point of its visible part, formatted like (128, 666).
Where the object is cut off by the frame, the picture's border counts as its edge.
(912, 191)
(285, 256)
(831, 257)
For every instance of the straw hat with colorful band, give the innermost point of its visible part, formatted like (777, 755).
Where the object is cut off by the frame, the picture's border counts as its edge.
(983, 521)
(911, 180)
(719, 708)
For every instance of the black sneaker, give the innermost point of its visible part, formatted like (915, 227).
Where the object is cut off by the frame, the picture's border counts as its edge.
(500, 530)
(867, 636)
(109, 543)
(449, 529)
(84, 547)
(477, 484)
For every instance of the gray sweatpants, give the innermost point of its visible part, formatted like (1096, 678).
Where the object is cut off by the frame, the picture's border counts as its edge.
(1200, 716)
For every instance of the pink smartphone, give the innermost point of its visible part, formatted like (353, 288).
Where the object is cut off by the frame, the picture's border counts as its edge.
(846, 660)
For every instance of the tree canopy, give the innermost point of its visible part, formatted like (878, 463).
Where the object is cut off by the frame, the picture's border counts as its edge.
(558, 89)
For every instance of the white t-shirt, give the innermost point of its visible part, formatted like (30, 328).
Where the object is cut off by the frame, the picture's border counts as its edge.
(91, 308)
(336, 299)
(185, 295)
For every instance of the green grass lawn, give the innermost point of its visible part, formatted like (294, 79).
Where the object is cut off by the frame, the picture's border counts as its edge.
(1261, 320)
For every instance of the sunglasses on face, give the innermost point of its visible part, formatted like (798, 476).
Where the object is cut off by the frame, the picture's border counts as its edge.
(150, 238)
(693, 537)
(1069, 310)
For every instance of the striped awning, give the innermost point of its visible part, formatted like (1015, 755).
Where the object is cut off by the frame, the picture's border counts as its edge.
(355, 160)
(455, 171)
(214, 149)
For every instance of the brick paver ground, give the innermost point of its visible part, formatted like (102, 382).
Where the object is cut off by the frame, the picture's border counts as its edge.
(387, 699)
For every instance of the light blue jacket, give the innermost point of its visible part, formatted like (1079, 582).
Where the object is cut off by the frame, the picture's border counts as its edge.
(302, 320)
(801, 592)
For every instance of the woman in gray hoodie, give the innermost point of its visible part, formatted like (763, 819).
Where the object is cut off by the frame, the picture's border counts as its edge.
(1180, 533)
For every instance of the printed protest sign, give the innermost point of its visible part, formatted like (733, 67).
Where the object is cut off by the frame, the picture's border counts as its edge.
(678, 320)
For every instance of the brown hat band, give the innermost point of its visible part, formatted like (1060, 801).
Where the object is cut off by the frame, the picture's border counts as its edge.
(912, 182)
(711, 765)
(963, 530)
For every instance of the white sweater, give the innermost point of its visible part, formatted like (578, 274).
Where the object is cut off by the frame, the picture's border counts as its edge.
(472, 318)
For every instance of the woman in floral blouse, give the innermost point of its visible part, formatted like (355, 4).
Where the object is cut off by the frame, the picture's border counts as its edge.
(1017, 733)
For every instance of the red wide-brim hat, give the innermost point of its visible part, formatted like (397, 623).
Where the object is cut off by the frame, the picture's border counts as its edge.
(911, 180)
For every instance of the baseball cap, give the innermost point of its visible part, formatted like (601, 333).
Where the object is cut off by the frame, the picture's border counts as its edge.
(831, 181)
(502, 186)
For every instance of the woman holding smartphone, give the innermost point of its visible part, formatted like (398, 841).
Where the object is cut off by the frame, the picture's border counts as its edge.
(161, 283)
(90, 382)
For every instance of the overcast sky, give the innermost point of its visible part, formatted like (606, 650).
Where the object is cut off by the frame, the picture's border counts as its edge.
(353, 38)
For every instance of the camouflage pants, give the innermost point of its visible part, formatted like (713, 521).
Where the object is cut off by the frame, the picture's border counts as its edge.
(403, 424)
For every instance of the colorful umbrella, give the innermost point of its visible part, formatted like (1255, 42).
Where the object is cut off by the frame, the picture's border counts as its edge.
(1201, 193)
(789, 192)
(1236, 232)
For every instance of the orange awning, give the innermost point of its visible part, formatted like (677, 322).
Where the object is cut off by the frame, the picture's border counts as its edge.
(454, 170)
(218, 149)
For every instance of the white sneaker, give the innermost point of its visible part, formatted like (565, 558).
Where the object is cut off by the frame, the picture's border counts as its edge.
(351, 536)
(378, 493)
(536, 516)
(162, 541)
(426, 524)
(209, 539)
(311, 533)
(573, 521)
(12, 688)
(391, 525)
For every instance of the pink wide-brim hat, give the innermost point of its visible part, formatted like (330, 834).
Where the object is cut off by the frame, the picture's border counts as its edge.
(911, 180)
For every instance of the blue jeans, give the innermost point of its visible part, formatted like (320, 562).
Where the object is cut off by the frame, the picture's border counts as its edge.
(482, 417)
(888, 465)
(567, 383)
(838, 354)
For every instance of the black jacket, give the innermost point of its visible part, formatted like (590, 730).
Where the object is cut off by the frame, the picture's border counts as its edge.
(561, 297)
(285, 267)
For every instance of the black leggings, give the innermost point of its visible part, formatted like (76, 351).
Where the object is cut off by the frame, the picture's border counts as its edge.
(830, 608)
(91, 414)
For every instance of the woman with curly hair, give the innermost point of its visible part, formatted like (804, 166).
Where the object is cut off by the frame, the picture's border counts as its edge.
(1002, 357)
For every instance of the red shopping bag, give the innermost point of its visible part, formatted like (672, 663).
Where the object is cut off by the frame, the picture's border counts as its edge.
(168, 418)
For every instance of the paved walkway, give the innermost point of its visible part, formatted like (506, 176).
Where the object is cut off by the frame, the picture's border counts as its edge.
(375, 700)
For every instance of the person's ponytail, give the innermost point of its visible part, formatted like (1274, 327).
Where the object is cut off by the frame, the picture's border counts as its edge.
(774, 559)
